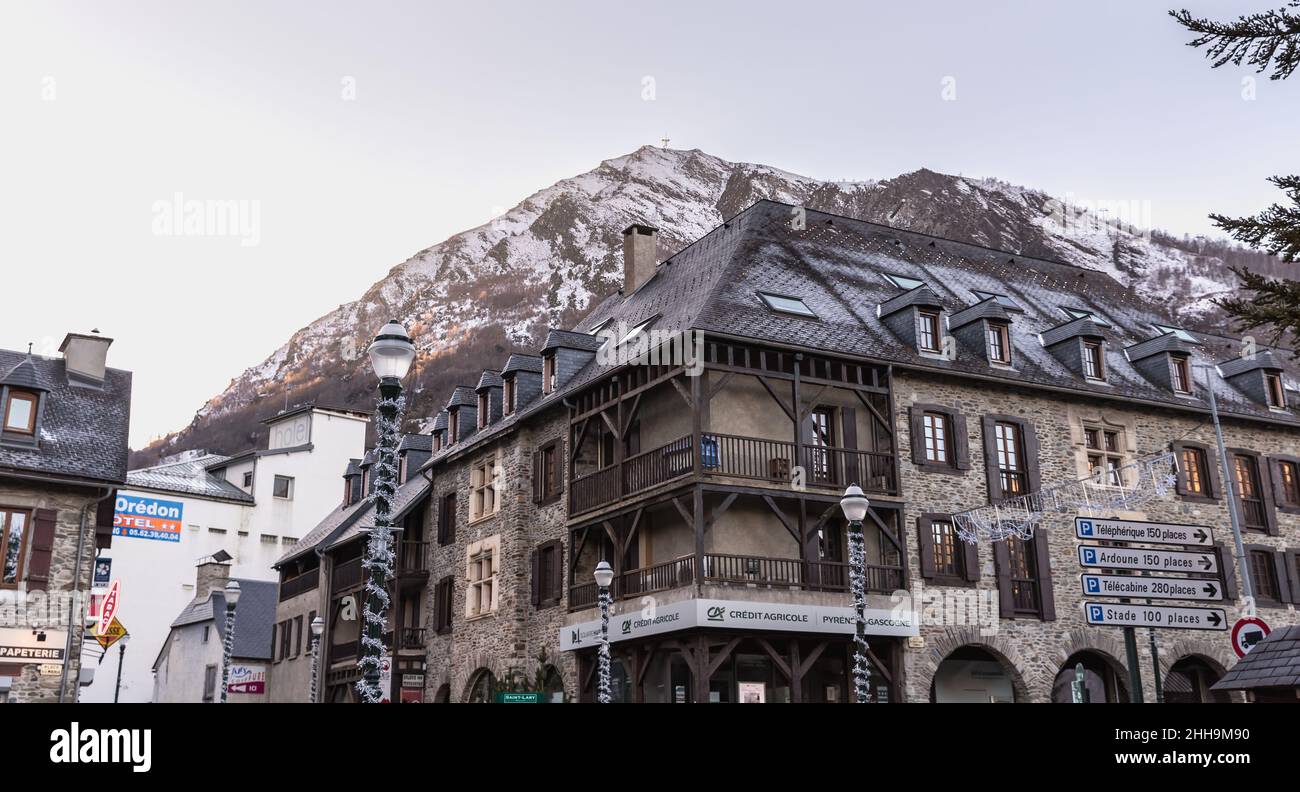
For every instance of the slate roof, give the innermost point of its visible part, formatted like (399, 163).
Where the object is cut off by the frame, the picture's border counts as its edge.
(23, 375)
(440, 421)
(353, 468)
(922, 296)
(1240, 365)
(83, 430)
(463, 396)
(188, 477)
(254, 616)
(985, 309)
(333, 524)
(416, 442)
(1273, 663)
(308, 406)
(1169, 342)
(518, 362)
(837, 267)
(345, 523)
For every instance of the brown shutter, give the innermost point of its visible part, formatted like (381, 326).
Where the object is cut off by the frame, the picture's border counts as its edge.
(38, 563)
(915, 414)
(104, 521)
(1213, 481)
(1284, 593)
(1043, 562)
(1229, 566)
(1292, 561)
(559, 570)
(1180, 481)
(960, 441)
(451, 518)
(535, 560)
(1002, 564)
(560, 466)
(972, 570)
(539, 487)
(925, 544)
(991, 460)
(853, 472)
(1031, 456)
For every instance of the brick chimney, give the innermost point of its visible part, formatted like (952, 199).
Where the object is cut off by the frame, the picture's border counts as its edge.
(211, 576)
(85, 355)
(640, 243)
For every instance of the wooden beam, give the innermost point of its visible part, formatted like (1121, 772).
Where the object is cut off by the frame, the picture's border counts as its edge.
(884, 670)
(720, 510)
(771, 504)
(721, 383)
(872, 408)
(780, 662)
(812, 402)
(812, 657)
(631, 414)
(631, 534)
(604, 415)
(716, 662)
(577, 443)
(686, 516)
(762, 380)
(681, 390)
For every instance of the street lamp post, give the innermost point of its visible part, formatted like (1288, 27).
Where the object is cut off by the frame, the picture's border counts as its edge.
(604, 577)
(855, 504)
(391, 356)
(232, 601)
(317, 627)
(121, 658)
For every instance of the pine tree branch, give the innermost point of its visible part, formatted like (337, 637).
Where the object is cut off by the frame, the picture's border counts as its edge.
(1263, 39)
(1276, 230)
(1272, 304)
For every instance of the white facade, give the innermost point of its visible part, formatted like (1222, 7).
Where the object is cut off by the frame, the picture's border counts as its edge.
(157, 576)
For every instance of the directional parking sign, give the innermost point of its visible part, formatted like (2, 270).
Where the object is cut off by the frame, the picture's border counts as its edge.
(1151, 560)
(1108, 614)
(1169, 588)
(1142, 532)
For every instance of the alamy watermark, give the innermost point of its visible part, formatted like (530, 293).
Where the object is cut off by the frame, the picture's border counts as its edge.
(651, 347)
(181, 216)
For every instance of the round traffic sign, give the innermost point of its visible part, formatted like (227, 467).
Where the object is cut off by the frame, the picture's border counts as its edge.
(1247, 632)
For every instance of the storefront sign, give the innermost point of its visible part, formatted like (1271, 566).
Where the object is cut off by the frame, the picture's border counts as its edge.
(112, 635)
(412, 680)
(737, 615)
(103, 573)
(148, 518)
(23, 644)
(1141, 532)
(247, 679)
(519, 698)
(108, 612)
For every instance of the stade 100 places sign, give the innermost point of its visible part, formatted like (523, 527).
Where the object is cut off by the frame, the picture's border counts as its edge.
(148, 518)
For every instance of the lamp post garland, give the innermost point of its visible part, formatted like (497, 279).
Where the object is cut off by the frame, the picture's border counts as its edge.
(855, 504)
(391, 355)
(604, 577)
(317, 627)
(228, 646)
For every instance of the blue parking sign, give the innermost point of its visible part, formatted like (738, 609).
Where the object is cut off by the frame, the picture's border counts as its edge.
(1085, 528)
(1089, 556)
(1094, 585)
(1095, 613)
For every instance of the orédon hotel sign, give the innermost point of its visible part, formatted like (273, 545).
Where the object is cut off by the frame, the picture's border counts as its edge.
(736, 615)
(148, 518)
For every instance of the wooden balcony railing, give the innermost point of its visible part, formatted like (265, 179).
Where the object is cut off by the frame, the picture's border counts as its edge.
(1253, 515)
(737, 457)
(303, 583)
(412, 557)
(411, 638)
(346, 576)
(729, 569)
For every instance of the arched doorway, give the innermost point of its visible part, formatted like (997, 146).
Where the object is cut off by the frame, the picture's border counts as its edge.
(443, 696)
(552, 685)
(1189, 681)
(972, 675)
(1103, 679)
(482, 689)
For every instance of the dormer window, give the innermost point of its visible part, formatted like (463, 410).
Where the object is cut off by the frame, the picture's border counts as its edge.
(1180, 373)
(1094, 362)
(20, 412)
(508, 396)
(1000, 299)
(1179, 333)
(928, 334)
(483, 415)
(453, 426)
(437, 441)
(548, 374)
(1273, 388)
(999, 336)
(1080, 313)
(789, 305)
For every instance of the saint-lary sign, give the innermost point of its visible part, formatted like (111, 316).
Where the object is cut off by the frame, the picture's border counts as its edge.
(737, 615)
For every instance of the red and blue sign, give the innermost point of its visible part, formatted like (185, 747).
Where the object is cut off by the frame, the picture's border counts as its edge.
(148, 518)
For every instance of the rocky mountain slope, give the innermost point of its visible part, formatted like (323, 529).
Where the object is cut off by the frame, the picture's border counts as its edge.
(473, 298)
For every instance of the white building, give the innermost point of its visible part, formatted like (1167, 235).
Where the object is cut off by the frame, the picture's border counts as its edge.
(253, 506)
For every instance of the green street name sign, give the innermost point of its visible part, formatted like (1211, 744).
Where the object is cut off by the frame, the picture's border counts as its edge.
(519, 698)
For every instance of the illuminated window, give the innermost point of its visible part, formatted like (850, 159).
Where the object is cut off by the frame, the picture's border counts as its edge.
(1276, 396)
(946, 549)
(1195, 470)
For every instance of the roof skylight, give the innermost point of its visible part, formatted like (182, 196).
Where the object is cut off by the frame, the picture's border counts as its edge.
(1180, 333)
(1080, 313)
(636, 330)
(1002, 299)
(904, 282)
(790, 305)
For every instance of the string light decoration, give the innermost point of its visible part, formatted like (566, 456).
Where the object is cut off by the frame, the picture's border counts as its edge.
(1119, 489)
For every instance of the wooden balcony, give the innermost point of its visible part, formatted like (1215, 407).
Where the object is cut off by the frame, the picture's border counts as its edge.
(412, 560)
(733, 456)
(411, 638)
(301, 584)
(739, 570)
(347, 575)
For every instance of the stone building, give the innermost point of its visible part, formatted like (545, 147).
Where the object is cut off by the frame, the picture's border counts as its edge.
(63, 451)
(697, 429)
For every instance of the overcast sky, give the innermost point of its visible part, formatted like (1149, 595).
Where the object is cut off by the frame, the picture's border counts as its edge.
(364, 132)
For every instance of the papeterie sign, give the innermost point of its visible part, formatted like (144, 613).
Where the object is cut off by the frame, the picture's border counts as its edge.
(1141, 532)
(25, 645)
(148, 518)
(737, 615)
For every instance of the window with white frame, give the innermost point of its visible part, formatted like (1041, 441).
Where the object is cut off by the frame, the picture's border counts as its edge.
(481, 567)
(483, 490)
(1105, 454)
(283, 487)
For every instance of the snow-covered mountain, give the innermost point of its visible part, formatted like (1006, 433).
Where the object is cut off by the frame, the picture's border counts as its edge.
(471, 299)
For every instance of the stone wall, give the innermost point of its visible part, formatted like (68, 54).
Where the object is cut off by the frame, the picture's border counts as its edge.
(1034, 651)
(28, 684)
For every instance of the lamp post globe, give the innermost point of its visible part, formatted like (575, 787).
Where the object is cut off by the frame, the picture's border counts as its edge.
(604, 575)
(391, 353)
(232, 601)
(317, 627)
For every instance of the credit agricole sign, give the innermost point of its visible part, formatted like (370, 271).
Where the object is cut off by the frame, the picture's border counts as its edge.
(735, 615)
